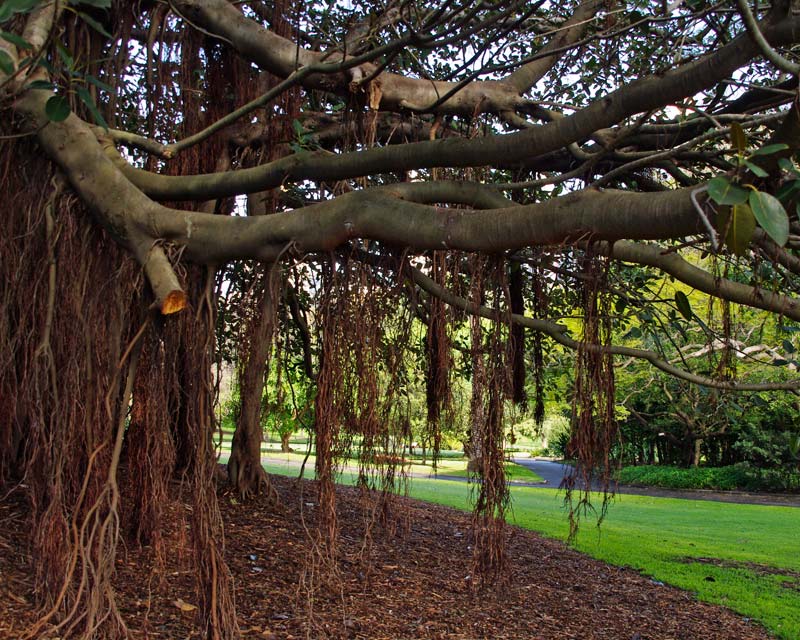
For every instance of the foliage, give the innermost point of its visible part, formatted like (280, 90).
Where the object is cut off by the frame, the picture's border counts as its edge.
(741, 476)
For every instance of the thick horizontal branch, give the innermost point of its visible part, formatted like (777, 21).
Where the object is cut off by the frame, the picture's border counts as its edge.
(396, 214)
(393, 215)
(503, 150)
(283, 58)
(403, 215)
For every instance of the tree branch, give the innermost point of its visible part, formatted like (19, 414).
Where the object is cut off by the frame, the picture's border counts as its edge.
(755, 32)
(559, 334)
(673, 264)
(524, 78)
(503, 150)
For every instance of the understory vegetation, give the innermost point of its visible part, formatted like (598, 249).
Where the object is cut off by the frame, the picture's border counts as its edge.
(742, 476)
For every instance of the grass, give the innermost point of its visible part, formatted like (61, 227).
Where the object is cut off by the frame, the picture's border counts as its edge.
(450, 463)
(449, 466)
(514, 473)
(756, 547)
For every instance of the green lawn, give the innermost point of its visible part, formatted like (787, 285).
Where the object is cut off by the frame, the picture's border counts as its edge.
(454, 467)
(758, 547)
(514, 473)
(451, 463)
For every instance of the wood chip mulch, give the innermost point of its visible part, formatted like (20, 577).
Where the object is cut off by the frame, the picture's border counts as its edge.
(413, 583)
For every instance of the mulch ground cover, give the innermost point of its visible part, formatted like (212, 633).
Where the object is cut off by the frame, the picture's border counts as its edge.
(410, 581)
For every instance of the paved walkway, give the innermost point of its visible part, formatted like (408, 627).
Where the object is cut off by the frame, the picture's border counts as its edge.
(553, 473)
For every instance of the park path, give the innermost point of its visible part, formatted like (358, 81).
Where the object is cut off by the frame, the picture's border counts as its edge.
(553, 473)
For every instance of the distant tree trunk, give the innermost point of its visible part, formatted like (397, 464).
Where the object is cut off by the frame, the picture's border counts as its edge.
(285, 437)
(696, 453)
(245, 472)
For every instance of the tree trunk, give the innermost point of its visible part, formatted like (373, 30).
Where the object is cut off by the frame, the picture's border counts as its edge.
(696, 454)
(245, 472)
(285, 437)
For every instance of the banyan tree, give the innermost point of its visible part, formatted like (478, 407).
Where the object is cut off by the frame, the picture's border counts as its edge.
(353, 193)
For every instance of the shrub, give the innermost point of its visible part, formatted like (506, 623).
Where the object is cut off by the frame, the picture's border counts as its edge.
(741, 476)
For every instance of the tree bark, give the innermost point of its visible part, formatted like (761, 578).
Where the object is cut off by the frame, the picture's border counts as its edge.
(285, 437)
(245, 472)
(696, 454)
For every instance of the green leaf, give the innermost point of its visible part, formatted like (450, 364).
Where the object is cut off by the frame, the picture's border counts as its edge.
(94, 24)
(794, 445)
(738, 138)
(787, 190)
(57, 109)
(759, 401)
(6, 63)
(770, 149)
(740, 229)
(722, 191)
(86, 97)
(758, 171)
(635, 332)
(788, 347)
(14, 39)
(786, 165)
(682, 302)
(44, 64)
(22, 6)
(98, 83)
(65, 55)
(771, 215)
(9, 7)
(42, 85)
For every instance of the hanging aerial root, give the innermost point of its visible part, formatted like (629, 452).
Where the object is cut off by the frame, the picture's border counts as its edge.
(94, 543)
(489, 527)
(540, 310)
(517, 336)
(594, 428)
(150, 448)
(438, 391)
